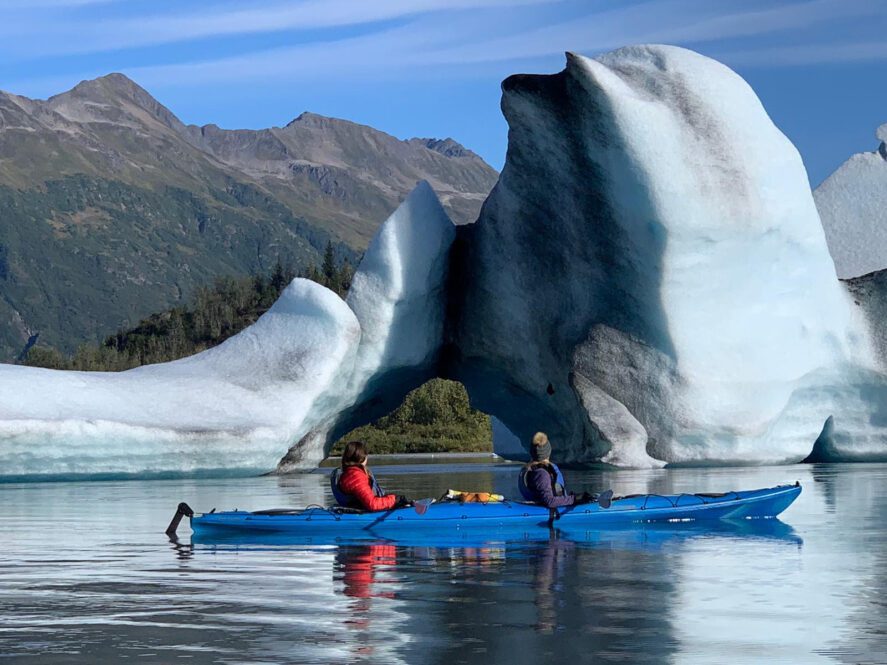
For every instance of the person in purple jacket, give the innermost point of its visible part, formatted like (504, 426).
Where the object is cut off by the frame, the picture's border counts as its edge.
(542, 482)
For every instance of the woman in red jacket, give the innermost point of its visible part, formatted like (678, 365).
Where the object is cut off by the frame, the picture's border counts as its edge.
(359, 486)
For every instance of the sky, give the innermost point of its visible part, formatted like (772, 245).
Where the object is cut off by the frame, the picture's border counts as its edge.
(433, 68)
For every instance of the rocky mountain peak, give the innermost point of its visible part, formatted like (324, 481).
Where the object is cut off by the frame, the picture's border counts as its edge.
(113, 98)
(882, 137)
(309, 119)
(100, 88)
(446, 147)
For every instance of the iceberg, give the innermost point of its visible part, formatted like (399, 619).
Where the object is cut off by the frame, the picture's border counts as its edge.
(231, 407)
(852, 203)
(298, 377)
(649, 281)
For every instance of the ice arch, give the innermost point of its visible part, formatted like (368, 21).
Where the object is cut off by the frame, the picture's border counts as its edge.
(398, 296)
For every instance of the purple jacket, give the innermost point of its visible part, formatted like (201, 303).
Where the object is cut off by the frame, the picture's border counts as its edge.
(539, 483)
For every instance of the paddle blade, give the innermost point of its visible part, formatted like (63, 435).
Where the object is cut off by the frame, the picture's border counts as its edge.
(421, 505)
(605, 498)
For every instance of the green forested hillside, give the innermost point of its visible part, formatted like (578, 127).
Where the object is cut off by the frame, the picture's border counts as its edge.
(83, 255)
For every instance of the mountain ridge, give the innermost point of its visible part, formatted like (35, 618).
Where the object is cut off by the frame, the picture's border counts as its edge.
(112, 208)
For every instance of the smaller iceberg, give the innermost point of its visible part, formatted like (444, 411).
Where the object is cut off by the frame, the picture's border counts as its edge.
(231, 407)
(852, 203)
(306, 372)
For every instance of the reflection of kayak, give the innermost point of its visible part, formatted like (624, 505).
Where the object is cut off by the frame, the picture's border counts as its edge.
(457, 516)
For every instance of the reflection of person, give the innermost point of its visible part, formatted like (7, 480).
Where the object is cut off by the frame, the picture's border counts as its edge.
(547, 581)
(359, 569)
(359, 566)
(542, 482)
(356, 485)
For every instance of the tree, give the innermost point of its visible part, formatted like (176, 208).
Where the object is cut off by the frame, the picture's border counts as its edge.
(346, 274)
(329, 270)
(278, 277)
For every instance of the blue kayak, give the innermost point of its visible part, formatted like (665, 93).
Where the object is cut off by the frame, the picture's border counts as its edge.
(643, 508)
(627, 536)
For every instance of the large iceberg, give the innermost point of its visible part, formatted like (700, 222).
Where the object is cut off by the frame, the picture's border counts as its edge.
(302, 374)
(852, 203)
(649, 281)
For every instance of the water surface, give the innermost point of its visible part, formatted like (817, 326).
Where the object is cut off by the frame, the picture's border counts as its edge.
(87, 575)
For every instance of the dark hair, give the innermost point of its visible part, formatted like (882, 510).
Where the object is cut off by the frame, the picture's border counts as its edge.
(355, 454)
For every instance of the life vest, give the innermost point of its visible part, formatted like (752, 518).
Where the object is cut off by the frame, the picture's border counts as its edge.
(558, 486)
(346, 500)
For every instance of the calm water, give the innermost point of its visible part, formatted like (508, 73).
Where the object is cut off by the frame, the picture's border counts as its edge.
(86, 575)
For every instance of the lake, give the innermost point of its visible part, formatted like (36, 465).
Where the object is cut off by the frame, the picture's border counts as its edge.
(87, 575)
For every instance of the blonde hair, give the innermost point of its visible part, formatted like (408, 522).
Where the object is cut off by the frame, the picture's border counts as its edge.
(540, 439)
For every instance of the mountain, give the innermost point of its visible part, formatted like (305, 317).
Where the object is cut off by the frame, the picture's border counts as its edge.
(111, 208)
(852, 204)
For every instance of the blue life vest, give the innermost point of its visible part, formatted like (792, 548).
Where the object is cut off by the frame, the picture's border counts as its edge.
(558, 486)
(346, 500)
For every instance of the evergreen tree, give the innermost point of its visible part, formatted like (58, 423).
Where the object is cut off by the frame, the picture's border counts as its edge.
(278, 277)
(346, 274)
(329, 270)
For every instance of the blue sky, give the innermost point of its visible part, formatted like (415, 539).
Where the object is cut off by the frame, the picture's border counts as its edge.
(433, 67)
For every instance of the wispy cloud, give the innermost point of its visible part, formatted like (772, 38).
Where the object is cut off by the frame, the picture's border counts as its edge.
(740, 21)
(422, 48)
(308, 14)
(97, 34)
(662, 21)
(809, 54)
(378, 39)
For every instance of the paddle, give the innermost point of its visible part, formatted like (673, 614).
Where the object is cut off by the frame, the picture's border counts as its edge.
(183, 510)
(604, 500)
(421, 505)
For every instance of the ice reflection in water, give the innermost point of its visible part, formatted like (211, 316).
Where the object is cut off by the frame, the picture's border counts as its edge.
(86, 576)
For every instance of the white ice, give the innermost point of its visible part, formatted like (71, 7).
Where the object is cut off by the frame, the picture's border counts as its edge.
(398, 293)
(649, 203)
(398, 297)
(765, 339)
(235, 406)
(852, 203)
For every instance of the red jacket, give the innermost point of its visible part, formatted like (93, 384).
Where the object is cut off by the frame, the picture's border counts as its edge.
(355, 481)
